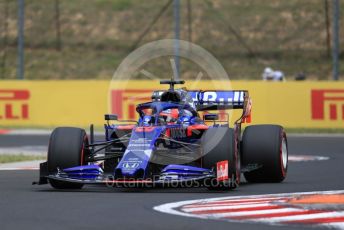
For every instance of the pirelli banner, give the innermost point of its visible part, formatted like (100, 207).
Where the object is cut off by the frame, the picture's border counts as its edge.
(79, 103)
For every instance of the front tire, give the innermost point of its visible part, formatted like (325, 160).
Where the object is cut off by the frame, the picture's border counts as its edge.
(66, 149)
(265, 146)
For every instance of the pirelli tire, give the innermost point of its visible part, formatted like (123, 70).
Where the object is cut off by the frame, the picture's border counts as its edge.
(219, 144)
(265, 147)
(66, 149)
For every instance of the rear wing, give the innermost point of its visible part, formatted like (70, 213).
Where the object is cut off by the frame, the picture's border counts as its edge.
(213, 100)
(219, 100)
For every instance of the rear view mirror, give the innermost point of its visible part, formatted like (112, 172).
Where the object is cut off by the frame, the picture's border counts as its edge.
(111, 117)
(211, 117)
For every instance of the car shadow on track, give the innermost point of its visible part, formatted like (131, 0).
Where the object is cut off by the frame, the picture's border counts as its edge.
(108, 189)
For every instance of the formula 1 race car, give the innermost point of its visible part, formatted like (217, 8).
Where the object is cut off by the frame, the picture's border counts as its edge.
(170, 144)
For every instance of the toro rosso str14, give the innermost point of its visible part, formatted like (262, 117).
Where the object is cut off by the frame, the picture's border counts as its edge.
(171, 143)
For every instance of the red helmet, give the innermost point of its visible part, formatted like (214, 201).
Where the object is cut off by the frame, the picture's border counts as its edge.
(170, 114)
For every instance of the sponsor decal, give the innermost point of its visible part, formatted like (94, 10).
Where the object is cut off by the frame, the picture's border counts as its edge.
(327, 104)
(14, 104)
(131, 164)
(138, 146)
(218, 97)
(177, 132)
(123, 102)
(316, 107)
(222, 170)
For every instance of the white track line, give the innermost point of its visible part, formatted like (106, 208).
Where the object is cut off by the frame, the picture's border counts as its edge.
(233, 200)
(302, 158)
(35, 132)
(19, 168)
(228, 203)
(22, 165)
(25, 150)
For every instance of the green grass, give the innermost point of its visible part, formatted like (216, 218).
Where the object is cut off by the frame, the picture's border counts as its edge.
(97, 35)
(9, 158)
(118, 5)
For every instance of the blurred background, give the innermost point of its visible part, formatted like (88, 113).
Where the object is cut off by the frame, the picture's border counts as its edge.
(84, 39)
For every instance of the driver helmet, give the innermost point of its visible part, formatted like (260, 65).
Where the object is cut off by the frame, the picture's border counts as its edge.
(170, 114)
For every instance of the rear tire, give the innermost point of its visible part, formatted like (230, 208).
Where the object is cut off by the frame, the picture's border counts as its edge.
(266, 146)
(219, 144)
(66, 149)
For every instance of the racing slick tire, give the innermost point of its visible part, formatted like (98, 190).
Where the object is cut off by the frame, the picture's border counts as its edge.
(219, 145)
(66, 149)
(266, 147)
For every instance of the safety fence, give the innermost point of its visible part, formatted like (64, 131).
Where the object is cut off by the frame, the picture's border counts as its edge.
(88, 39)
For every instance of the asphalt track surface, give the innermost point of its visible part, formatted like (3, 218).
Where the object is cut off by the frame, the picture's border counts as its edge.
(24, 206)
